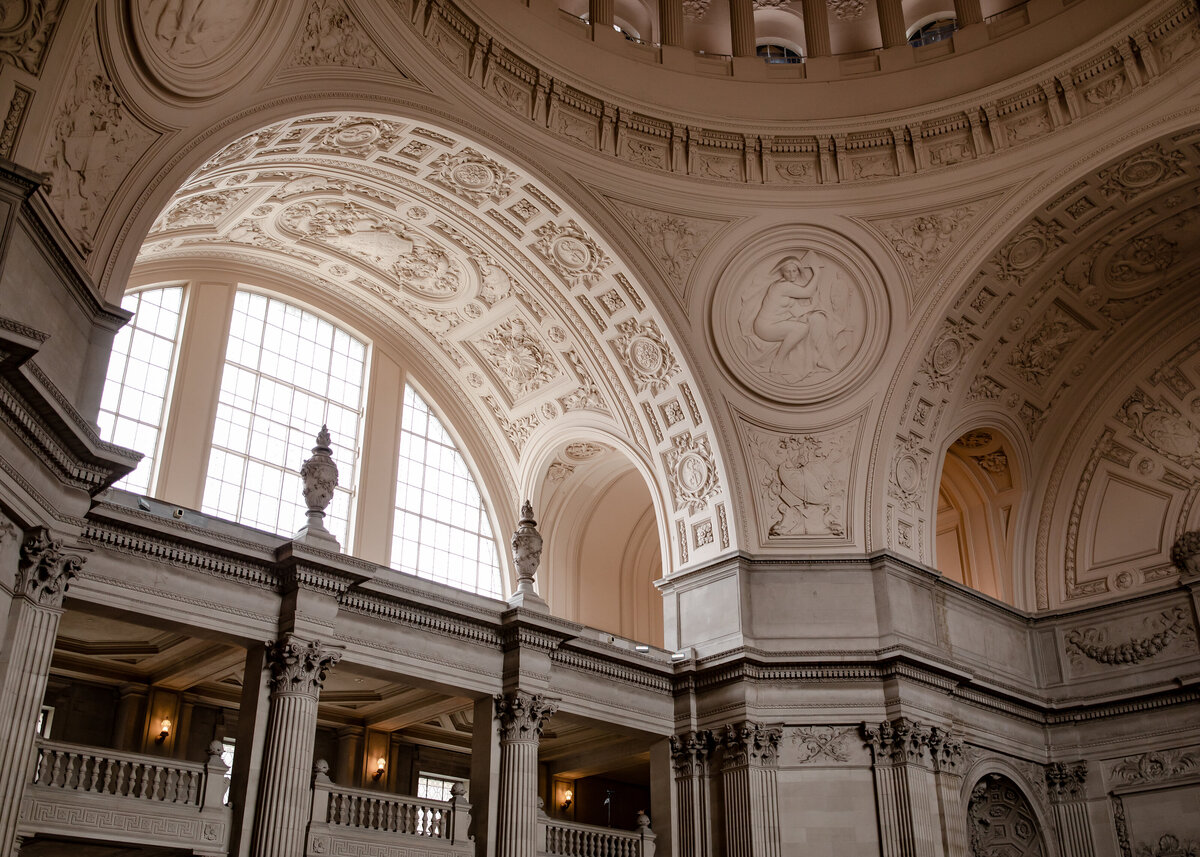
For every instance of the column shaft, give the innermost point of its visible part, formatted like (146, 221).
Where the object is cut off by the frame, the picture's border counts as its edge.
(287, 772)
(26, 667)
(751, 791)
(1074, 832)
(670, 22)
(522, 716)
(891, 23)
(967, 12)
(600, 12)
(816, 28)
(741, 27)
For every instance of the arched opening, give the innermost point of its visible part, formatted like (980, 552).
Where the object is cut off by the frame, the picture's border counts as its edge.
(603, 552)
(976, 512)
(1001, 822)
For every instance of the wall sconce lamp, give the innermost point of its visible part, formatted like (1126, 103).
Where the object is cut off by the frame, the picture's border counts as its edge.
(380, 767)
(568, 796)
(166, 730)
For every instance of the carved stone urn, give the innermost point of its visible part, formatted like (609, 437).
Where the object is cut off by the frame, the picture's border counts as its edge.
(320, 475)
(527, 553)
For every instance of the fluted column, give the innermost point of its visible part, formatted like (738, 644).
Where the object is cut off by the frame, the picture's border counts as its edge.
(891, 23)
(691, 753)
(967, 12)
(522, 716)
(751, 790)
(44, 571)
(741, 27)
(816, 28)
(905, 794)
(600, 12)
(946, 753)
(670, 22)
(298, 669)
(1065, 783)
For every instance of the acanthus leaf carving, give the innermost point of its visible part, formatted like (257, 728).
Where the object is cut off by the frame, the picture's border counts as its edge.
(299, 666)
(25, 46)
(1169, 845)
(672, 240)
(1041, 351)
(923, 240)
(750, 743)
(821, 743)
(1066, 780)
(520, 360)
(523, 715)
(44, 572)
(691, 753)
(897, 741)
(1156, 766)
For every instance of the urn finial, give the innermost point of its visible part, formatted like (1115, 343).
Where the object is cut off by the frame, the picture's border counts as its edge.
(527, 553)
(320, 476)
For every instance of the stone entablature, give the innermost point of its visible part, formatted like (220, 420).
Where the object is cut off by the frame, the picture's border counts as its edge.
(1026, 107)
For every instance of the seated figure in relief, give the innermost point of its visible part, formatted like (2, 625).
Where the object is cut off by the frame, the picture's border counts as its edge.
(795, 326)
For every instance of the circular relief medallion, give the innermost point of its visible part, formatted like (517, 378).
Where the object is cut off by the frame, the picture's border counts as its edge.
(947, 355)
(799, 320)
(572, 253)
(473, 176)
(1027, 252)
(645, 354)
(196, 47)
(908, 474)
(356, 135)
(1141, 173)
(693, 473)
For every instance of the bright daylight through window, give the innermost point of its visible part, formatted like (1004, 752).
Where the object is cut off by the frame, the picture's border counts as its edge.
(441, 529)
(287, 372)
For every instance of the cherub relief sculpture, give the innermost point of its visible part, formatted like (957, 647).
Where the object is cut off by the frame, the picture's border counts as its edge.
(797, 326)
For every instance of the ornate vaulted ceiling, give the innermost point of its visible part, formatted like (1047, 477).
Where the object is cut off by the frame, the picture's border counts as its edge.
(491, 279)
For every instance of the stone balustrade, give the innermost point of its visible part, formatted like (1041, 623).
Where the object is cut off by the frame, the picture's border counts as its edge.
(116, 796)
(570, 839)
(363, 819)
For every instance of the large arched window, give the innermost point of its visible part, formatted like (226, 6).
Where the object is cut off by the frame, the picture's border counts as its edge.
(441, 530)
(139, 375)
(287, 371)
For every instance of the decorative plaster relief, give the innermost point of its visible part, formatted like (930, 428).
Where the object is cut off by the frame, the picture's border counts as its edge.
(948, 353)
(818, 744)
(691, 472)
(910, 472)
(800, 324)
(190, 33)
(332, 37)
(517, 356)
(673, 241)
(357, 136)
(801, 482)
(1042, 350)
(25, 30)
(922, 241)
(695, 10)
(1168, 845)
(1160, 631)
(473, 176)
(1162, 428)
(94, 142)
(571, 253)
(1026, 250)
(1155, 767)
(1141, 172)
(644, 353)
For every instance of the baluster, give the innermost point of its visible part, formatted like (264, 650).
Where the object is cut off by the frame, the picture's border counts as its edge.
(74, 771)
(143, 780)
(106, 786)
(194, 791)
(93, 773)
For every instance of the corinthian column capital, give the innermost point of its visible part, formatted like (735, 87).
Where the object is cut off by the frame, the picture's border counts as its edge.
(299, 667)
(1065, 780)
(523, 715)
(750, 743)
(44, 572)
(690, 752)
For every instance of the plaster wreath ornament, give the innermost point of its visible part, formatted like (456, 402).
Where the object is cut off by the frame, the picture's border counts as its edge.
(1163, 628)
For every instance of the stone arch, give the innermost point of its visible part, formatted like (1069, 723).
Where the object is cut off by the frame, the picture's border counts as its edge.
(978, 512)
(488, 274)
(1027, 323)
(1001, 821)
(606, 531)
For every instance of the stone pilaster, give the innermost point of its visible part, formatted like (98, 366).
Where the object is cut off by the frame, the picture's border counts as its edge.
(946, 753)
(44, 571)
(670, 22)
(968, 12)
(298, 669)
(1065, 784)
(905, 793)
(891, 23)
(741, 27)
(691, 753)
(522, 716)
(816, 28)
(751, 791)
